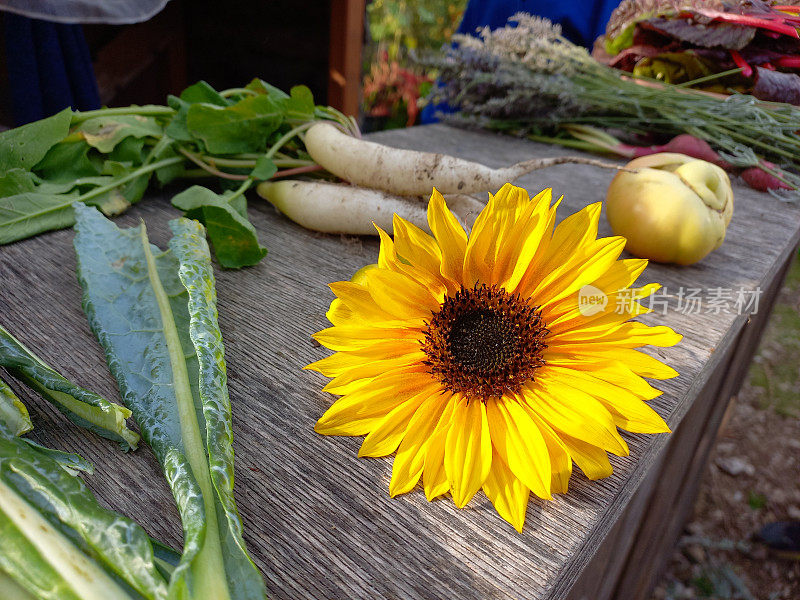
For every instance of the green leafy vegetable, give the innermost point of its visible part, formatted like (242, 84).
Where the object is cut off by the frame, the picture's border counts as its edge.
(57, 542)
(81, 406)
(12, 590)
(25, 146)
(69, 160)
(12, 411)
(25, 215)
(233, 236)
(104, 133)
(241, 127)
(16, 181)
(154, 313)
(106, 158)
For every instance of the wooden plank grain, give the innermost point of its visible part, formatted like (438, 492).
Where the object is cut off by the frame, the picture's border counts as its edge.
(319, 521)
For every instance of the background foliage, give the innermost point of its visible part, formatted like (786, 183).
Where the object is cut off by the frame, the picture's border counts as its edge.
(401, 30)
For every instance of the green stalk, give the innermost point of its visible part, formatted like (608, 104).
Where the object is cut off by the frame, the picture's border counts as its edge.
(13, 413)
(234, 91)
(287, 136)
(132, 175)
(84, 578)
(227, 162)
(207, 167)
(241, 189)
(149, 110)
(208, 567)
(707, 78)
(567, 143)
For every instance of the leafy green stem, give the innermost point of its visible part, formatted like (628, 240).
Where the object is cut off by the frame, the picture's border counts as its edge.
(149, 110)
(707, 78)
(241, 189)
(209, 563)
(207, 167)
(227, 162)
(288, 136)
(132, 175)
(83, 576)
(235, 91)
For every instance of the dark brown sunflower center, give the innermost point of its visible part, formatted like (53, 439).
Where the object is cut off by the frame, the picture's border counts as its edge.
(484, 342)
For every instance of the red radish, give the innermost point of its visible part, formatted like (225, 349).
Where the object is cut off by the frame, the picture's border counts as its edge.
(758, 179)
(682, 144)
(696, 148)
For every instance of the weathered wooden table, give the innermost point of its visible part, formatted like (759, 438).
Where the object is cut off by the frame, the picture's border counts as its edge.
(319, 521)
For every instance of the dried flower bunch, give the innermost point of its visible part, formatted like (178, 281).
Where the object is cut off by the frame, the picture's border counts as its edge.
(529, 79)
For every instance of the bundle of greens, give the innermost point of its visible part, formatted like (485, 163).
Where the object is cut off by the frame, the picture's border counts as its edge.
(108, 157)
(530, 80)
(57, 542)
(750, 46)
(81, 406)
(155, 315)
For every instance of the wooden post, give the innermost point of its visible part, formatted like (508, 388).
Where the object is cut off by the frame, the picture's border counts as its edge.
(344, 63)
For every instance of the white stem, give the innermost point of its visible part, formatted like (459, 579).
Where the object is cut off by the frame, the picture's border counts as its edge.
(81, 574)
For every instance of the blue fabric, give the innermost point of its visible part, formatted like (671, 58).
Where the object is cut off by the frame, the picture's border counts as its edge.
(582, 21)
(49, 68)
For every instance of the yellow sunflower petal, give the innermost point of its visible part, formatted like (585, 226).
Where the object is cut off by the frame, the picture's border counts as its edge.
(507, 205)
(332, 365)
(593, 461)
(358, 338)
(389, 432)
(450, 236)
(399, 295)
(415, 246)
(624, 335)
(361, 304)
(359, 373)
(574, 232)
(622, 305)
(358, 412)
(388, 259)
(481, 248)
(612, 371)
(468, 451)
(640, 363)
(387, 255)
(628, 411)
(340, 314)
(525, 277)
(434, 477)
(528, 240)
(570, 277)
(507, 493)
(575, 413)
(520, 444)
(410, 458)
(560, 461)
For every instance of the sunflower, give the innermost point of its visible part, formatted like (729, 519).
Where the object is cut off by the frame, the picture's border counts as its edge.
(482, 361)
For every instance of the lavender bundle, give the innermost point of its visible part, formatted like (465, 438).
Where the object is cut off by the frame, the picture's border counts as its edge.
(530, 80)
